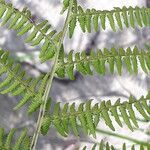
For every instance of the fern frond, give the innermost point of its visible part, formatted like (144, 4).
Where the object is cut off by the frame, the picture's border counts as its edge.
(7, 140)
(107, 146)
(21, 22)
(115, 58)
(128, 17)
(88, 116)
(17, 83)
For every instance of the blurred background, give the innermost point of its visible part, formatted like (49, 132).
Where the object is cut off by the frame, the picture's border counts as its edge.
(82, 88)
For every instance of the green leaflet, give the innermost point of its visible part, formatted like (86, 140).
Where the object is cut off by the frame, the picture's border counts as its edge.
(73, 120)
(98, 61)
(131, 113)
(81, 19)
(46, 122)
(95, 21)
(89, 119)
(72, 25)
(82, 118)
(57, 122)
(114, 112)
(96, 116)
(111, 21)
(138, 16)
(70, 68)
(118, 19)
(105, 116)
(65, 121)
(88, 20)
(125, 16)
(103, 20)
(125, 117)
(132, 18)
(73, 20)
(144, 16)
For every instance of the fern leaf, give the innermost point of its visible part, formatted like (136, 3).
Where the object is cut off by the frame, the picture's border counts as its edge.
(124, 16)
(16, 82)
(21, 22)
(115, 58)
(89, 116)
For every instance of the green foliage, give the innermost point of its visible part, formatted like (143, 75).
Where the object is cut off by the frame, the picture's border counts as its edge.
(17, 82)
(71, 117)
(38, 34)
(98, 61)
(107, 146)
(7, 142)
(87, 117)
(128, 17)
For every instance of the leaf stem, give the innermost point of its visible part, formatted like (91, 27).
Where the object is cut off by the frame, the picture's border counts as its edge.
(49, 83)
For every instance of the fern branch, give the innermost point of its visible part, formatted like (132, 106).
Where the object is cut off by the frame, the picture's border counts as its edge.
(130, 17)
(89, 116)
(49, 83)
(21, 22)
(115, 58)
(17, 83)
